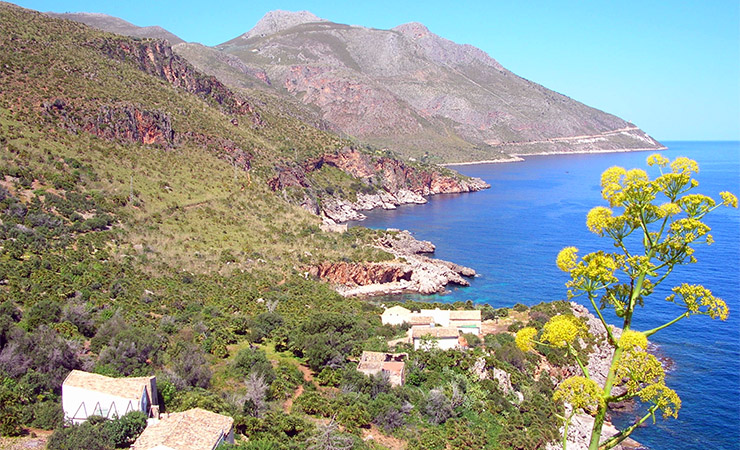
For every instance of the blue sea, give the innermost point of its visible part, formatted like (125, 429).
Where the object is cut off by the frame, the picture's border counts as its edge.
(510, 234)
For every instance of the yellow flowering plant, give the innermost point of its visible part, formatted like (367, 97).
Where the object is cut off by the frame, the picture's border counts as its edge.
(655, 225)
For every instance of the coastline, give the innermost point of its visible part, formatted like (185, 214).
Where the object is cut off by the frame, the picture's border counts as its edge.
(518, 157)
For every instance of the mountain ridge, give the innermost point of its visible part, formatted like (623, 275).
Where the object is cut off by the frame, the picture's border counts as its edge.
(409, 90)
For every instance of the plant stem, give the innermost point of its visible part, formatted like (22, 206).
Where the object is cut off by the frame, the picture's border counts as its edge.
(655, 330)
(624, 434)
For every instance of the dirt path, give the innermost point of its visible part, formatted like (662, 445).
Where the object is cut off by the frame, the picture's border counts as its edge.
(308, 377)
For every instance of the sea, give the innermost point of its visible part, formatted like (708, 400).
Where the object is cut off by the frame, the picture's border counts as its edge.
(511, 233)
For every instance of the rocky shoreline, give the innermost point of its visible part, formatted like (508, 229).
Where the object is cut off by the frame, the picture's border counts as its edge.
(411, 272)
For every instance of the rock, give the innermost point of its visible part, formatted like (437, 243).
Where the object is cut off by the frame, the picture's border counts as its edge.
(394, 182)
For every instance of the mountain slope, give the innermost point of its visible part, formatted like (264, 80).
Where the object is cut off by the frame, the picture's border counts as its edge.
(413, 91)
(119, 26)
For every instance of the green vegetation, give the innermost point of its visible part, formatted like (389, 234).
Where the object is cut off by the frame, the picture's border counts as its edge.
(667, 219)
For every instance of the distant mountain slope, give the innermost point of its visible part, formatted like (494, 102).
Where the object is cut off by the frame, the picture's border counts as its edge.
(414, 91)
(119, 26)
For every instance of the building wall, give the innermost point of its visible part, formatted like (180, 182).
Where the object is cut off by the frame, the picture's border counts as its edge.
(73, 397)
(442, 343)
(441, 316)
(394, 318)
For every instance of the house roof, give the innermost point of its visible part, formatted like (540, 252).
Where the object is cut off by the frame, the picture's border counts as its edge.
(130, 388)
(418, 320)
(436, 332)
(395, 367)
(194, 429)
(396, 310)
(465, 315)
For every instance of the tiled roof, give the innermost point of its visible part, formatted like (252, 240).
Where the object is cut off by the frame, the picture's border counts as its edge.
(419, 320)
(465, 315)
(436, 332)
(130, 388)
(194, 429)
(395, 367)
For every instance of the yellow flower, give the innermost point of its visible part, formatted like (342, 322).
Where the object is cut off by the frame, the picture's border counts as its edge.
(684, 165)
(631, 339)
(696, 204)
(728, 199)
(596, 269)
(611, 183)
(699, 300)
(668, 209)
(562, 330)
(637, 368)
(581, 393)
(566, 259)
(656, 159)
(524, 339)
(598, 219)
(664, 397)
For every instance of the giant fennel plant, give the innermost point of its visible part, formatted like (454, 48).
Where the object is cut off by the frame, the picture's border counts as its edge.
(654, 225)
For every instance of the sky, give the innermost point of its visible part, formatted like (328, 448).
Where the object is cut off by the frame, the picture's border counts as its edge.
(670, 67)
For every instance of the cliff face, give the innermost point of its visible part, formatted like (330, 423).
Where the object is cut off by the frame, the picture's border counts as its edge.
(389, 183)
(155, 57)
(411, 272)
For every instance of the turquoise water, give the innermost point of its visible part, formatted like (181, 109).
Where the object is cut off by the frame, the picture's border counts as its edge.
(511, 233)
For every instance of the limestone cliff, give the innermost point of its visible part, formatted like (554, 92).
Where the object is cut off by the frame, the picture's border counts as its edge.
(388, 182)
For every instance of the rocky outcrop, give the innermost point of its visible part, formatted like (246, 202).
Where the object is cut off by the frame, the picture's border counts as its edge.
(410, 272)
(155, 57)
(125, 123)
(389, 183)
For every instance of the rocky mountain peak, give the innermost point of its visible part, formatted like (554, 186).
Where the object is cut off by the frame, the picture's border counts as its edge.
(413, 30)
(279, 20)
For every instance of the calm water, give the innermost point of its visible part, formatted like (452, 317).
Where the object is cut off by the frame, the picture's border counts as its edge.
(511, 233)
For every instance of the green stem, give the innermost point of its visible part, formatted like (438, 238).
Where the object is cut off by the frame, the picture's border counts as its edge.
(624, 434)
(573, 352)
(601, 317)
(565, 430)
(667, 324)
(601, 412)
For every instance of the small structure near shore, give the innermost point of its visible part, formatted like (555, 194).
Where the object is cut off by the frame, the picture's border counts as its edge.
(391, 364)
(467, 321)
(444, 338)
(86, 394)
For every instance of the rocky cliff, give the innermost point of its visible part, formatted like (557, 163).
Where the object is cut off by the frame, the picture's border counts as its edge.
(410, 272)
(387, 183)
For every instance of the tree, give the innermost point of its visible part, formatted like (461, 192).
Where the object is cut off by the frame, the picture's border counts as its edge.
(654, 226)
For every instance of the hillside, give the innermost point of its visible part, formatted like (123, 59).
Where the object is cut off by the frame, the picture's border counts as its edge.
(119, 26)
(414, 91)
(405, 89)
(154, 221)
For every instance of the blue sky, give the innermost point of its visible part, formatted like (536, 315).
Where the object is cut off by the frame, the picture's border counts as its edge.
(671, 67)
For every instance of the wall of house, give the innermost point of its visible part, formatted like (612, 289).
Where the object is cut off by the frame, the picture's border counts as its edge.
(73, 397)
(394, 318)
(442, 343)
(441, 317)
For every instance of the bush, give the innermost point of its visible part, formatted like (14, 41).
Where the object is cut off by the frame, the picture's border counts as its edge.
(253, 360)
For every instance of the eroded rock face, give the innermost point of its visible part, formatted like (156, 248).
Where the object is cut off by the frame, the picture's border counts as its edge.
(155, 57)
(416, 273)
(125, 122)
(395, 182)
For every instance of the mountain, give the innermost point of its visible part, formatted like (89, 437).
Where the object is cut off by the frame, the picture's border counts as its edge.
(119, 26)
(415, 92)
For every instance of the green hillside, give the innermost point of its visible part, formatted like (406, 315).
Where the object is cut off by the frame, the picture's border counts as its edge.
(138, 236)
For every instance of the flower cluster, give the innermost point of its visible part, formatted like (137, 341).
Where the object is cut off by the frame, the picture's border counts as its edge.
(638, 368)
(562, 330)
(663, 397)
(566, 259)
(594, 271)
(598, 219)
(699, 300)
(631, 339)
(684, 165)
(524, 338)
(581, 393)
(696, 205)
(656, 159)
(728, 199)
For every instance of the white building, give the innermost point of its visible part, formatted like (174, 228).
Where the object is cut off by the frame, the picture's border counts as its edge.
(395, 315)
(467, 321)
(194, 429)
(87, 394)
(444, 338)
